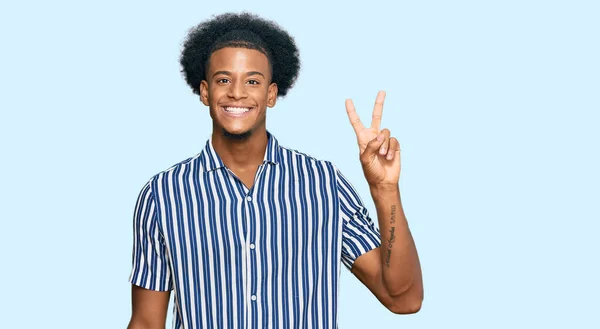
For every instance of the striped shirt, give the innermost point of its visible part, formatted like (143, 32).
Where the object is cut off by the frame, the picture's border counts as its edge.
(265, 257)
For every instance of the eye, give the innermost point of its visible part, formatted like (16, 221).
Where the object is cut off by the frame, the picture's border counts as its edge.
(222, 80)
(253, 82)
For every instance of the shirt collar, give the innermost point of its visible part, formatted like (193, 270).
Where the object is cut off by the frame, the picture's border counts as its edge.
(212, 160)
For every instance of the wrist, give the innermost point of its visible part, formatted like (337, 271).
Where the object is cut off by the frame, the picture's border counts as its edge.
(384, 189)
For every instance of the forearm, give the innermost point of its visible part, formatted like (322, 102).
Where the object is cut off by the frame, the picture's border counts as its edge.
(399, 259)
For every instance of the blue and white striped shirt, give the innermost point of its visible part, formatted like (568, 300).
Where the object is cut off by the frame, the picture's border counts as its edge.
(264, 257)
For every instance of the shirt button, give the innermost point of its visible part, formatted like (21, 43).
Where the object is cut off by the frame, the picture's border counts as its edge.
(249, 198)
(252, 246)
(253, 297)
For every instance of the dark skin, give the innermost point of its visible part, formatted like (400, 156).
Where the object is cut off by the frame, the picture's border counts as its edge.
(239, 77)
(393, 270)
(148, 308)
(236, 77)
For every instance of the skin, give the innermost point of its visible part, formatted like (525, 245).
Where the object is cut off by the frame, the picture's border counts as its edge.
(242, 77)
(148, 308)
(236, 77)
(239, 77)
(392, 271)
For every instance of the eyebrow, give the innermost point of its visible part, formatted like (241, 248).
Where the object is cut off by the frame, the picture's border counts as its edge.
(247, 74)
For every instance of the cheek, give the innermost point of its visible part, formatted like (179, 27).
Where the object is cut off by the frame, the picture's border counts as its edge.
(214, 94)
(262, 94)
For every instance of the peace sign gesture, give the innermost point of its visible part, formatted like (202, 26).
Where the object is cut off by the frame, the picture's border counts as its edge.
(379, 154)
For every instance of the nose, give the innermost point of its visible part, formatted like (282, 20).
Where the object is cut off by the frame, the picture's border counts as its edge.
(237, 90)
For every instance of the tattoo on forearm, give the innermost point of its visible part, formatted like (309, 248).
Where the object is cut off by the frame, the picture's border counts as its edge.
(391, 241)
(392, 238)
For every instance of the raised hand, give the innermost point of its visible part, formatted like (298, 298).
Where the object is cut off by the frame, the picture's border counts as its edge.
(379, 154)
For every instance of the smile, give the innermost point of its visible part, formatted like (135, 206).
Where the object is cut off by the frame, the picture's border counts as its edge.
(236, 111)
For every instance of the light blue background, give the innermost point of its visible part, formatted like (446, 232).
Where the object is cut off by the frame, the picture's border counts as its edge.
(495, 104)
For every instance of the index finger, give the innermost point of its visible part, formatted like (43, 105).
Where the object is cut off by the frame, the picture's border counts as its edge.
(378, 110)
(353, 116)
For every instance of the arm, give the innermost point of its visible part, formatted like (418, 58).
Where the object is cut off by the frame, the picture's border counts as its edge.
(392, 272)
(148, 308)
(150, 275)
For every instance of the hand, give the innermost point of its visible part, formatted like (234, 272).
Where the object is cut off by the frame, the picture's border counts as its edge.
(379, 154)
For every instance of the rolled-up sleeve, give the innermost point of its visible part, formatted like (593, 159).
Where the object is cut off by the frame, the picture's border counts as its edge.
(150, 267)
(359, 234)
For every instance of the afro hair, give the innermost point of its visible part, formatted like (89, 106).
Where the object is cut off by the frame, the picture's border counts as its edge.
(242, 30)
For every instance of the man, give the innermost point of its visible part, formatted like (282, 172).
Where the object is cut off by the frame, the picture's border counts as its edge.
(251, 234)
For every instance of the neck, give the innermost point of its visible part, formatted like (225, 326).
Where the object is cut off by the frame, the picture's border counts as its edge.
(240, 151)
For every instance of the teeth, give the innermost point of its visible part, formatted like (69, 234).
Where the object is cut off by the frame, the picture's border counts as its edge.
(237, 109)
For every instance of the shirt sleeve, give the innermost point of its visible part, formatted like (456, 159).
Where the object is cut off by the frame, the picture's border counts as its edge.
(359, 234)
(150, 268)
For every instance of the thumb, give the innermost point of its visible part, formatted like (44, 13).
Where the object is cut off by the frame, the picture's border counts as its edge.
(373, 146)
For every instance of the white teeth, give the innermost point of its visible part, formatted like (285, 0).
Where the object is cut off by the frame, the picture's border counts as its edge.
(237, 109)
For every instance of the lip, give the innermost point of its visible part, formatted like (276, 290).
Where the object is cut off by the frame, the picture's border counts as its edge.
(236, 115)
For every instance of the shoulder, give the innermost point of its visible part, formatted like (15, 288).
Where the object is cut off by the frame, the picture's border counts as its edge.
(291, 156)
(183, 164)
(300, 161)
(176, 167)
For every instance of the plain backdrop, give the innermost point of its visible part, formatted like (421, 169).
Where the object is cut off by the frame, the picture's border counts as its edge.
(495, 104)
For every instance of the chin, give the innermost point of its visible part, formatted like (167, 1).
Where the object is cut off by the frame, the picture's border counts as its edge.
(237, 134)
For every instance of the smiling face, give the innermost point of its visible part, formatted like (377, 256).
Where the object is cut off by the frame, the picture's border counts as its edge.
(238, 89)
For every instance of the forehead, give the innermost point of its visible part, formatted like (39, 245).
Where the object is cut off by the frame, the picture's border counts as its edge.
(239, 60)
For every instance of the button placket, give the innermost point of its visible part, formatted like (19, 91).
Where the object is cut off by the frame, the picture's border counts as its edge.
(248, 289)
(252, 259)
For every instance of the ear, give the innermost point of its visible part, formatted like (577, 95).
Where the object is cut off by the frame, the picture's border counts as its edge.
(204, 92)
(272, 95)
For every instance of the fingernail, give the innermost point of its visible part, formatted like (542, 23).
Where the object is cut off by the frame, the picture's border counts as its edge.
(382, 151)
(380, 137)
(389, 156)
